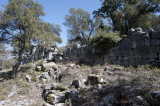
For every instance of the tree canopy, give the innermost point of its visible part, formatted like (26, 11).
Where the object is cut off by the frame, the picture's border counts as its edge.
(80, 26)
(126, 14)
(20, 25)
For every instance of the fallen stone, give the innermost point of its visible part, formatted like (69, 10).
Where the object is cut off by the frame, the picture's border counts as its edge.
(72, 65)
(46, 76)
(108, 100)
(39, 85)
(93, 79)
(28, 78)
(75, 83)
(44, 80)
(47, 66)
(60, 104)
(12, 94)
(38, 68)
(55, 98)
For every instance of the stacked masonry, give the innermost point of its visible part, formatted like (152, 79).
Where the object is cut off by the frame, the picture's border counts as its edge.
(138, 48)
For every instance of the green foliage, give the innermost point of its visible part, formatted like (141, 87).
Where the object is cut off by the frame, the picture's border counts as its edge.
(125, 14)
(104, 41)
(20, 25)
(80, 26)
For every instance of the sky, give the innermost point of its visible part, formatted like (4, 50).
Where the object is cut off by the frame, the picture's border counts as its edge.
(57, 9)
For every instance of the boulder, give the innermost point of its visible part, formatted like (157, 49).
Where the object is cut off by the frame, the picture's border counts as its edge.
(46, 76)
(60, 104)
(130, 31)
(75, 83)
(55, 98)
(47, 66)
(107, 101)
(72, 65)
(38, 68)
(138, 29)
(28, 78)
(93, 79)
(73, 95)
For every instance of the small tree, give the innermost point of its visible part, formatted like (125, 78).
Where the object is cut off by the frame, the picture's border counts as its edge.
(81, 26)
(103, 41)
(20, 25)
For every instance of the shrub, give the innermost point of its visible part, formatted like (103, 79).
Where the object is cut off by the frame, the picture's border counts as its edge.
(104, 41)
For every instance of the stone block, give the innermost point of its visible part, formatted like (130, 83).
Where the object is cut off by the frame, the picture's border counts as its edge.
(154, 49)
(140, 43)
(134, 44)
(155, 42)
(153, 56)
(155, 35)
(147, 42)
(125, 63)
(125, 58)
(139, 36)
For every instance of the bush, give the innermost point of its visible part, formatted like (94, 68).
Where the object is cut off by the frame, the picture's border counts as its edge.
(104, 41)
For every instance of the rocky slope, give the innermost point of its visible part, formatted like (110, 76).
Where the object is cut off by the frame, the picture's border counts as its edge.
(46, 83)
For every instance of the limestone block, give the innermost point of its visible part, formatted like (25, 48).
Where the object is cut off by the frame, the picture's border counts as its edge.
(134, 44)
(155, 35)
(55, 98)
(139, 36)
(125, 58)
(138, 29)
(149, 30)
(153, 56)
(155, 42)
(140, 43)
(154, 49)
(46, 66)
(146, 42)
(130, 31)
(125, 63)
(93, 79)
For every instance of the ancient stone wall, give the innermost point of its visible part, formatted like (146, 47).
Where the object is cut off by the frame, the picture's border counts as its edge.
(138, 48)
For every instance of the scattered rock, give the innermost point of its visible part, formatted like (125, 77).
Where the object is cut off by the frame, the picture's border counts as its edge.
(39, 85)
(46, 76)
(73, 95)
(38, 68)
(12, 94)
(107, 101)
(28, 78)
(46, 66)
(72, 65)
(78, 66)
(60, 104)
(55, 98)
(93, 79)
(138, 29)
(44, 80)
(75, 83)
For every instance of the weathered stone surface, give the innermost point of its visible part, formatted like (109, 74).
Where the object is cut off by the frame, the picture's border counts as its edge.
(93, 79)
(46, 66)
(155, 42)
(28, 78)
(136, 49)
(55, 98)
(38, 68)
(155, 35)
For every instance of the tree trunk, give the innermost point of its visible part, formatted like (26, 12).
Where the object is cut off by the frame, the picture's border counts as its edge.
(15, 67)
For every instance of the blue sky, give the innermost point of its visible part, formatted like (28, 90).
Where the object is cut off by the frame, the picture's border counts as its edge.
(57, 9)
